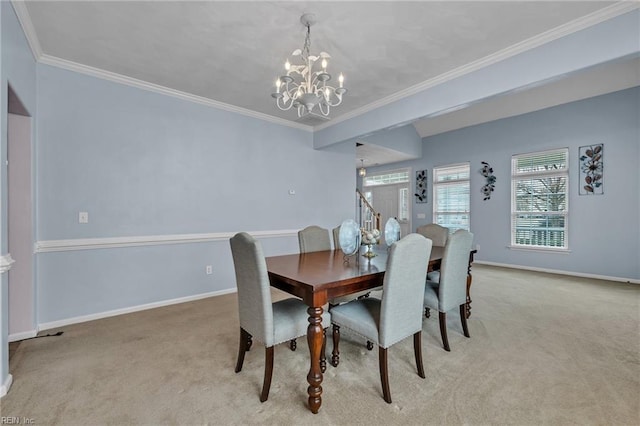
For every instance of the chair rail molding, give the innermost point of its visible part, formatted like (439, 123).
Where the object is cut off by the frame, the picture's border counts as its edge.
(5, 263)
(149, 240)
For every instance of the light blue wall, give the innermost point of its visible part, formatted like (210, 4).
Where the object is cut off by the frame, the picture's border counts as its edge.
(142, 164)
(17, 67)
(603, 230)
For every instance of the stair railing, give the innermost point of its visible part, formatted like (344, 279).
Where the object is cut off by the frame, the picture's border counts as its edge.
(369, 219)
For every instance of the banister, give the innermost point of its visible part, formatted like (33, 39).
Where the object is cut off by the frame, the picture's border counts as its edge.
(366, 207)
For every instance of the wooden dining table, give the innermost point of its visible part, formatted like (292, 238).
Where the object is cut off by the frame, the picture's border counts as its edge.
(317, 277)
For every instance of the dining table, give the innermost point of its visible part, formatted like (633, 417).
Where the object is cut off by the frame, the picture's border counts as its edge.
(317, 277)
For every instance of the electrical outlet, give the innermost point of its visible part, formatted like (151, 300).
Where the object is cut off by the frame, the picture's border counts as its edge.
(209, 269)
(83, 217)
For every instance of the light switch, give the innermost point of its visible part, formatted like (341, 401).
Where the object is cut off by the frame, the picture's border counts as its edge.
(292, 192)
(421, 216)
(83, 217)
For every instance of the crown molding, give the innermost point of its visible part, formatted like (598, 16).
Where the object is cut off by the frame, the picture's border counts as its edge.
(24, 18)
(144, 85)
(148, 240)
(593, 18)
(584, 22)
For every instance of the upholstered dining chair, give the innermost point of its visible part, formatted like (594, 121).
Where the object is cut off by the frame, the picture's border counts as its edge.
(336, 237)
(267, 322)
(438, 234)
(314, 238)
(451, 290)
(398, 314)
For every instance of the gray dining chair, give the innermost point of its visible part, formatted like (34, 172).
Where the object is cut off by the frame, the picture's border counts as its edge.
(398, 314)
(451, 290)
(268, 322)
(439, 235)
(336, 237)
(314, 238)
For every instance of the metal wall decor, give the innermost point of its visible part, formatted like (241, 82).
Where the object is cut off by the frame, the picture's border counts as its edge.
(487, 172)
(591, 169)
(421, 186)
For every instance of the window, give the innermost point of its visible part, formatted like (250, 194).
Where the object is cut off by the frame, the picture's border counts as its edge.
(539, 208)
(451, 206)
(403, 204)
(386, 179)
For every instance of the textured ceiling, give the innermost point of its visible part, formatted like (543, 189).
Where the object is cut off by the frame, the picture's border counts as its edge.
(231, 52)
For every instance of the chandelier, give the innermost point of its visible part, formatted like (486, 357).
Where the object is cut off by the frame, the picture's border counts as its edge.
(362, 172)
(304, 86)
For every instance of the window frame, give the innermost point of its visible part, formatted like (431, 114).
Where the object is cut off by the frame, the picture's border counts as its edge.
(436, 185)
(540, 174)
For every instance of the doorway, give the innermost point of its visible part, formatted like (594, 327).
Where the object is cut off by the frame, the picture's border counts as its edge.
(22, 296)
(389, 195)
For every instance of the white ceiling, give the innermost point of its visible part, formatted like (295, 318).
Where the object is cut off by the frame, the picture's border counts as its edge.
(229, 53)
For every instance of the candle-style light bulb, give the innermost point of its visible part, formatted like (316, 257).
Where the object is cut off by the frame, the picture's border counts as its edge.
(287, 65)
(324, 64)
(277, 85)
(341, 79)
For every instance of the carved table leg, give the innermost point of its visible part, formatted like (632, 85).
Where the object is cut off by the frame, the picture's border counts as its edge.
(314, 338)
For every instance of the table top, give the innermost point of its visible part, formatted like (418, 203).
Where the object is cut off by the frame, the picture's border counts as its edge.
(327, 274)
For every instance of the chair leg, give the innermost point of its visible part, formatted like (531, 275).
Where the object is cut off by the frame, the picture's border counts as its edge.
(463, 319)
(427, 313)
(335, 355)
(293, 344)
(268, 372)
(323, 351)
(417, 349)
(443, 331)
(384, 374)
(245, 338)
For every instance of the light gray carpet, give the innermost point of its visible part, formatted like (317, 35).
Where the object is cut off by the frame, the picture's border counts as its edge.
(544, 350)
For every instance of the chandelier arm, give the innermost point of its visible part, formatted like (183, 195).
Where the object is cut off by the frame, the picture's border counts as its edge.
(284, 105)
(324, 108)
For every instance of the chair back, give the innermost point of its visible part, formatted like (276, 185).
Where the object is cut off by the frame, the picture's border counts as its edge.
(436, 233)
(336, 237)
(314, 238)
(254, 295)
(403, 289)
(452, 291)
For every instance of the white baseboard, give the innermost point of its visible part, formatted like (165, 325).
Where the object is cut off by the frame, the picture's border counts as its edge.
(115, 312)
(24, 335)
(559, 272)
(4, 388)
